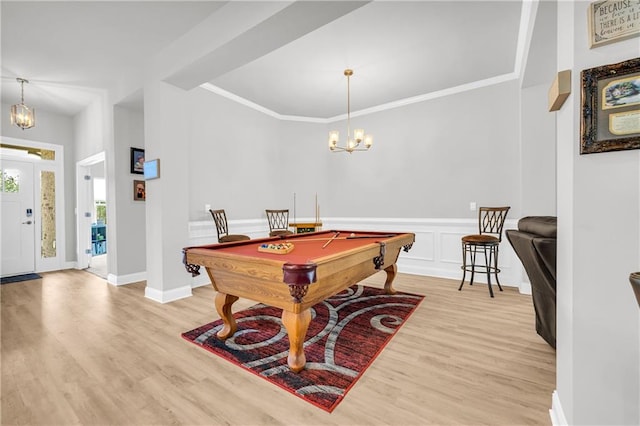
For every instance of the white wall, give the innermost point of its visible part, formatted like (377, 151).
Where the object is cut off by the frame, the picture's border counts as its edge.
(235, 158)
(429, 159)
(55, 129)
(167, 137)
(598, 354)
(89, 130)
(131, 232)
(538, 153)
(304, 146)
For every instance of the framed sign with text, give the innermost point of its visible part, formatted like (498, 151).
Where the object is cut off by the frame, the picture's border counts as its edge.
(613, 20)
(610, 107)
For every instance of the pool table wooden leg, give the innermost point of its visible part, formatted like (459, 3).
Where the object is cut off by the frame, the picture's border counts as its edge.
(391, 274)
(296, 325)
(223, 306)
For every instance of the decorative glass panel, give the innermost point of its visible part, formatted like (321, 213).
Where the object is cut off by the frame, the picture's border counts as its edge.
(11, 180)
(44, 154)
(47, 154)
(48, 216)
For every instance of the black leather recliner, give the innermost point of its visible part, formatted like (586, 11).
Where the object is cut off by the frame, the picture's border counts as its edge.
(634, 279)
(535, 244)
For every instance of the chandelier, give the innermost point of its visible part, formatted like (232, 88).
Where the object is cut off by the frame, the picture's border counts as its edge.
(358, 134)
(21, 115)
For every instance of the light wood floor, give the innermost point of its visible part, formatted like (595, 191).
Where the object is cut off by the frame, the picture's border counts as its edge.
(76, 350)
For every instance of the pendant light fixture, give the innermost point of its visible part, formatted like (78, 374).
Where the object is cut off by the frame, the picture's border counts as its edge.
(21, 115)
(358, 134)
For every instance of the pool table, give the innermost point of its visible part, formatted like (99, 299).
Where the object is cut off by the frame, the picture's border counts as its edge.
(319, 265)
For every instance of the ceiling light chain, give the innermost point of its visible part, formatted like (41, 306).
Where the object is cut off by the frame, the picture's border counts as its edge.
(358, 134)
(21, 115)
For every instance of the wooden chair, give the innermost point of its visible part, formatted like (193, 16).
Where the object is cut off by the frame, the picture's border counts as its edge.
(490, 223)
(278, 222)
(220, 219)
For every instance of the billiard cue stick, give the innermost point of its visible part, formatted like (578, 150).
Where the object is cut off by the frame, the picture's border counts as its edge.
(355, 237)
(332, 238)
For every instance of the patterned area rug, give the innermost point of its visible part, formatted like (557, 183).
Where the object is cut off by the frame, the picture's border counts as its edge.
(346, 334)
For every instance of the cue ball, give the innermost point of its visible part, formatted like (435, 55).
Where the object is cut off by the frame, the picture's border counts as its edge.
(352, 235)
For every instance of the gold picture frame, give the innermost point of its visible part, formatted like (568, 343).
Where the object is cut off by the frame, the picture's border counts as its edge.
(610, 107)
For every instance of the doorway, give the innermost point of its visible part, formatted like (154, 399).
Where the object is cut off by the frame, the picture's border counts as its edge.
(91, 218)
(18, 235)
(32, 187)
(99, 246)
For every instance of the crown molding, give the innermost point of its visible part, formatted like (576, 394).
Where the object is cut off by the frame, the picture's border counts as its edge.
(378, 108)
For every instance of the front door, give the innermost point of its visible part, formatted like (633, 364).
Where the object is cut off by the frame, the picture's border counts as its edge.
(18, 217)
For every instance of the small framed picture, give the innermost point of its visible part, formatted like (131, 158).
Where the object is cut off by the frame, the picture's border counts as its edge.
(137, 161)
(139, 190)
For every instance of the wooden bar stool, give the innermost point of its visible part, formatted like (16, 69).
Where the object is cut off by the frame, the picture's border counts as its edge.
(490, 223)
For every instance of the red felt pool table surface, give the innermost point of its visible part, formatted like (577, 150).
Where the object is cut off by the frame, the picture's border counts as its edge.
(309, 247)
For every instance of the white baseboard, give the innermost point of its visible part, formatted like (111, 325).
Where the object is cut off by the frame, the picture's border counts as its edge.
(524, 288)
(126, 279)
(556, 413)
(54, 267)
(167, 296)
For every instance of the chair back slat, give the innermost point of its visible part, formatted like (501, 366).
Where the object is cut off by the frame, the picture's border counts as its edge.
(220, 219)
(491, 220)
(278, 220)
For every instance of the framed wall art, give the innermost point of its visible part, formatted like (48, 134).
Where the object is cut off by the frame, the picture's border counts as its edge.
(137, 161)
(610, 107)
(613, 20)
(139, 190)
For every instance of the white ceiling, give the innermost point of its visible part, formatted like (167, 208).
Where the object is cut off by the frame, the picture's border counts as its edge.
(73, 51)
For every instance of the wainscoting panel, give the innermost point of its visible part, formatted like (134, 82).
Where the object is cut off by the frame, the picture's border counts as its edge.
(451, 247)
(423, 248)
(436, 252)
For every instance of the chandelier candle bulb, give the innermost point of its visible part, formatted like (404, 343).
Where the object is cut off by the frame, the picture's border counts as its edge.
(368, 141)
(358, 135)
(333, 138)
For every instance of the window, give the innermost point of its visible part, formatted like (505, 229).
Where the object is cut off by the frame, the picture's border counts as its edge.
(48, 213)
(10, 180)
